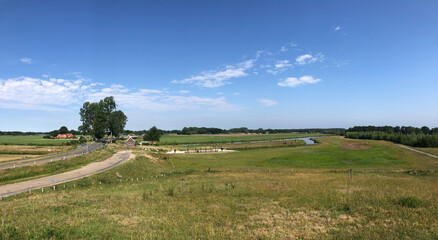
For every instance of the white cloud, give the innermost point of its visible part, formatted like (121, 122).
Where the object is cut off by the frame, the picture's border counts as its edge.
(267, 102)
(271, 71)
(57, 94)
(294, 82)
(137, 100)
(282, 64)
(337, 28)
(184, 91)
(26, 60)
(286, 47)
(279, 66)
(35, 93)
(217, 78)
(307, 58)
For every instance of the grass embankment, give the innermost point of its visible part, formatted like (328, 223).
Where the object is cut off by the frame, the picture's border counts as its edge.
(31, 140)
(14, 152)
(271, 193)
(29, 172)
(228, 138)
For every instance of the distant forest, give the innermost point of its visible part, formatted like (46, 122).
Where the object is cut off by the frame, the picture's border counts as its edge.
(205, 130)
(411, 136)
(199, 130)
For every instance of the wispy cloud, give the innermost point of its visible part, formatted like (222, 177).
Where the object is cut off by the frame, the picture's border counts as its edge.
(307, 58)
(282, 64)
(279, 66)
(217, 78)
(294, 82)
(26, 60)
(337, 28)
(286, 47)
(161, 101)
(267, 102)
(56, 94)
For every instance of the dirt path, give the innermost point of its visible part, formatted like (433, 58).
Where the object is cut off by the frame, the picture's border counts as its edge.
(418, 151)
(90, 169)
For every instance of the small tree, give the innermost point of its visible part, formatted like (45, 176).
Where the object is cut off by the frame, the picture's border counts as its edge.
(153, 135)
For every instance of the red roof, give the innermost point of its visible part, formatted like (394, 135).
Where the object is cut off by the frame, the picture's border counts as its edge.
(67, 135)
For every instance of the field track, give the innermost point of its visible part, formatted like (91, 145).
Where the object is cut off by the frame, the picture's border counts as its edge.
(93, 168)
(418, 151)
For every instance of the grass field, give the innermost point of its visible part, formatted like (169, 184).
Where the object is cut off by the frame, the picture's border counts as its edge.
(14, 152)
(301, 192)
(30, 140)
(227, 138)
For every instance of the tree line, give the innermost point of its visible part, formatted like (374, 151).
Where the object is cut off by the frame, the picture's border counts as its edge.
(213, 130)
(411, 136)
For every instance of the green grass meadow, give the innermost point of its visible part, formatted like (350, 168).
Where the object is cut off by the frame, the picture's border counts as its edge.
(31, 140)
(299, 192)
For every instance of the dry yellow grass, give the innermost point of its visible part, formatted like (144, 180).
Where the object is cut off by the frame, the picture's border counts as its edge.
(33, 149)
(10, 157)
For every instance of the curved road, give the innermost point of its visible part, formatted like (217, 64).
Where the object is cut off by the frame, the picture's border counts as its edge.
(90, 169)
(51, 158)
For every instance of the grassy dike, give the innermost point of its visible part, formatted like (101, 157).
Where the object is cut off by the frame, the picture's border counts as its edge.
(269, 193)
(12, 175)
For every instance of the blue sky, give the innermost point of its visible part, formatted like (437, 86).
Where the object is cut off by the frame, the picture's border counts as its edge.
(269, 64)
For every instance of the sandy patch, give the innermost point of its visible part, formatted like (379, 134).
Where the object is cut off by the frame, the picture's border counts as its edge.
(278, 222)
(354, 145)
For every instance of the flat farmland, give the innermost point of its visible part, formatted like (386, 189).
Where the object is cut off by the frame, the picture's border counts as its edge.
(14, 152)
(31, 140)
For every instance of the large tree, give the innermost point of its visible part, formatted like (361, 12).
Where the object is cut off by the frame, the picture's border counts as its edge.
(99, 118)
(117, 122)
(63, 130)
(153, 135)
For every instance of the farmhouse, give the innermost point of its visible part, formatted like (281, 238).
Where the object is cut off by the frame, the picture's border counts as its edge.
(64, 136)
(130, 142)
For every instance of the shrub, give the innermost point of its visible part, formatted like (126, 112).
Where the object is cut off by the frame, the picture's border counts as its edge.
(411, 202)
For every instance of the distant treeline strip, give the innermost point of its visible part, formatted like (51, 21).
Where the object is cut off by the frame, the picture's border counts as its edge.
(205, 130)
(411, 136)
(18, 133)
